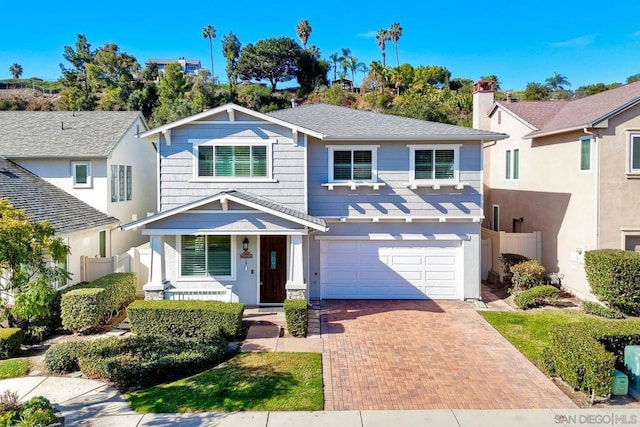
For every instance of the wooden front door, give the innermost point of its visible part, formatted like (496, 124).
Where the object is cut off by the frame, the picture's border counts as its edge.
(273, 268)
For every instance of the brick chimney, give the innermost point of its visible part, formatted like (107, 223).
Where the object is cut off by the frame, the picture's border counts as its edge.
(483, 98)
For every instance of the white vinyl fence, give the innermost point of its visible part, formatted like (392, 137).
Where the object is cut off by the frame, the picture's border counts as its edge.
(495, 243)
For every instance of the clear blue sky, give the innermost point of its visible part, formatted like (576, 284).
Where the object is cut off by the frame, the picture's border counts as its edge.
(586, 41)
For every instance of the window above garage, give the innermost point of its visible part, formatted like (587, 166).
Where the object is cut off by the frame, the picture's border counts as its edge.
(434, 166)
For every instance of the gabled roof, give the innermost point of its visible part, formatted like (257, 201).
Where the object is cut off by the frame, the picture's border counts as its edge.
(79, 134)
(342, 123)
(243, 198)
(43, 201)
(591, 111)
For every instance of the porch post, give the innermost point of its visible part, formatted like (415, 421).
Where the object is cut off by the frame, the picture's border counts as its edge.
(154, 288)
(296, 288)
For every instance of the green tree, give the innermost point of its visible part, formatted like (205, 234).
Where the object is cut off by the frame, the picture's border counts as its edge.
(355, 66)
(303, 30)
(394, 33)
(172, 85)
(592, 89)
(536, 92)
(273, 59)
(335, 58)
(344, 61)
(633, 78)
(112, 73)
(209, 32)
(231, 47)
(431, 76)
(494, 79)
(16, 70)
(77, 94)
(557, 82)
(312, 72)
(381, 39)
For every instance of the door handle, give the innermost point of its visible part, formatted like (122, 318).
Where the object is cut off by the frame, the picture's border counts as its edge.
(261, 283)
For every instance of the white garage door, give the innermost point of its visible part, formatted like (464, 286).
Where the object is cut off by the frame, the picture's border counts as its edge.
(370, 269)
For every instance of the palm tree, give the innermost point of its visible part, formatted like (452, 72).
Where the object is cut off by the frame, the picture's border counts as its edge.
(355, 66)
(394, 33)
(16, 70)
(344, 61)
(381, 39)
(303, 29)
(557, 82)
(334, 59)
(209, 32)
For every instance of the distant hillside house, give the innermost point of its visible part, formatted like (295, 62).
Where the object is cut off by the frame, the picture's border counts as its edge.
(189, 66)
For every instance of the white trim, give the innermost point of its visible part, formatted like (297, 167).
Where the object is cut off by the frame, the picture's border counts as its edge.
(374, 164)
(434, 183)
(305, 178)
(401, 236)
(213, 232)
(390, 218)
(629, 171)
(206, 278)
(581, 140)
(89, 183)
(627, 232)
(231, 179)
(232, 142)
(353, 185)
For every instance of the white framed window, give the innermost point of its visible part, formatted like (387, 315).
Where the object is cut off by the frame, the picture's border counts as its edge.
(232, 160)
(121, 183)
(633, 154)
(434, 164)
(585, 154)
(512, 164)
(357, 163)
(81, 172)
(207, 257)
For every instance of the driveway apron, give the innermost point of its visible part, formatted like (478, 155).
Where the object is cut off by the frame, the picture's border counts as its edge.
(424, 355)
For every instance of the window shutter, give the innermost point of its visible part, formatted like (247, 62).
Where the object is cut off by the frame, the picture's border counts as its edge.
(444, 164)
(224, 160)
(342, 165)
(129, 183)
(242, 160)
(424, 164)
(205, 161)
(193, 261)
(219, 255)
(361, 165)
(114, 183)
(259, 159)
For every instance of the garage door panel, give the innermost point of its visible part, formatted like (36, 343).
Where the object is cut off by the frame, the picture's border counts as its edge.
(396, 270)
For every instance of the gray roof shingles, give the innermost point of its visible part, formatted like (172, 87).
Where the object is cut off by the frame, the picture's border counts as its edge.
(42, 201)
(341, 123)
(277, 207)
(81, 134)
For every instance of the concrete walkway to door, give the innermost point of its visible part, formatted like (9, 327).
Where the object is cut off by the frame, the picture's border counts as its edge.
(424, 355)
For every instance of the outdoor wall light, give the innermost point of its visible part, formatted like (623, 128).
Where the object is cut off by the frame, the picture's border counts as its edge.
(245, 244)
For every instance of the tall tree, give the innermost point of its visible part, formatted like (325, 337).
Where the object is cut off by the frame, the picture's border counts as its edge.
(557, 82)
(335, 58)
(231, 47)
(355, 66)
(209, 32)
(16, 70)
(303, 30)
(344, 61)
(536, 92)
(381, 39)
(77, 92)
(394, 33)
(274, 59)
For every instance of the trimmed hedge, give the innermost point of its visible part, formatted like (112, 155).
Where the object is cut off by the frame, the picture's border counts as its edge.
(136, 362)
(585, 354)
(600, 310)
(85, 307)
(536, 296)
(296, 314)
(614, 277)
(526, 275)
(10, 342)
(186, 319)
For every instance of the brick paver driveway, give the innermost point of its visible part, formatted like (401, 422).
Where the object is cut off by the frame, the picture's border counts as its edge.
(424, 355)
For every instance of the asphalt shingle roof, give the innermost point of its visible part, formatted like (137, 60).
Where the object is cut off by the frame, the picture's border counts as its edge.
(43, 201)
(81, 134)
(584, 112)
(341, 123)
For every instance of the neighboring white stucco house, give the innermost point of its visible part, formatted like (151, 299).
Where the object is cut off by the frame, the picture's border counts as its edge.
(96, 157)
(316, 201)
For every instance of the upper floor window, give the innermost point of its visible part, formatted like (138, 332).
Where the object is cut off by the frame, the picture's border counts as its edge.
(356, 164)
(248, 161)
(585, 153)
(121, 183)
(634, 154)
(512, 164)
(81, 174)
(434, 164)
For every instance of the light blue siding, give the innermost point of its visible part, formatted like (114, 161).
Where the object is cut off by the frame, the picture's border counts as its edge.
(178, 187)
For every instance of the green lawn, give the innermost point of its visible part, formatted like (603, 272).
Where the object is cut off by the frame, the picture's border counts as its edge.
(249, 381)
(529, 332)
(13, 368)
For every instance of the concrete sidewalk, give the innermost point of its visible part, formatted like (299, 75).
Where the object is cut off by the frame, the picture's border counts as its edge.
(92, 403)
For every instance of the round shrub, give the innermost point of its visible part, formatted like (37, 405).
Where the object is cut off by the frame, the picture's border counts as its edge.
(62, 358)
(538, 295)
(526, 275)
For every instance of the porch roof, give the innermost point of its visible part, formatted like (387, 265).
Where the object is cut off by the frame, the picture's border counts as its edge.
(268, 218)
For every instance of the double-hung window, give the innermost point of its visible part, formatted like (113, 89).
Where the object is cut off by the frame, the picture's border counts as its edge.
(356, 164)
(233, 161)
(206, 256)
(633, 166)
(512, 164)
(81, 174)
(434, 165)
(585, 153)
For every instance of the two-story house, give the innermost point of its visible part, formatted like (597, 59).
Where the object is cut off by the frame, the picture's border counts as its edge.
(316, 201)
(94, 156)
(569, 169)
(188, 66)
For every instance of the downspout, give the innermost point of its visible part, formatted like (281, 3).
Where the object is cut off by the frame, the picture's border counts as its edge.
(596, 171)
